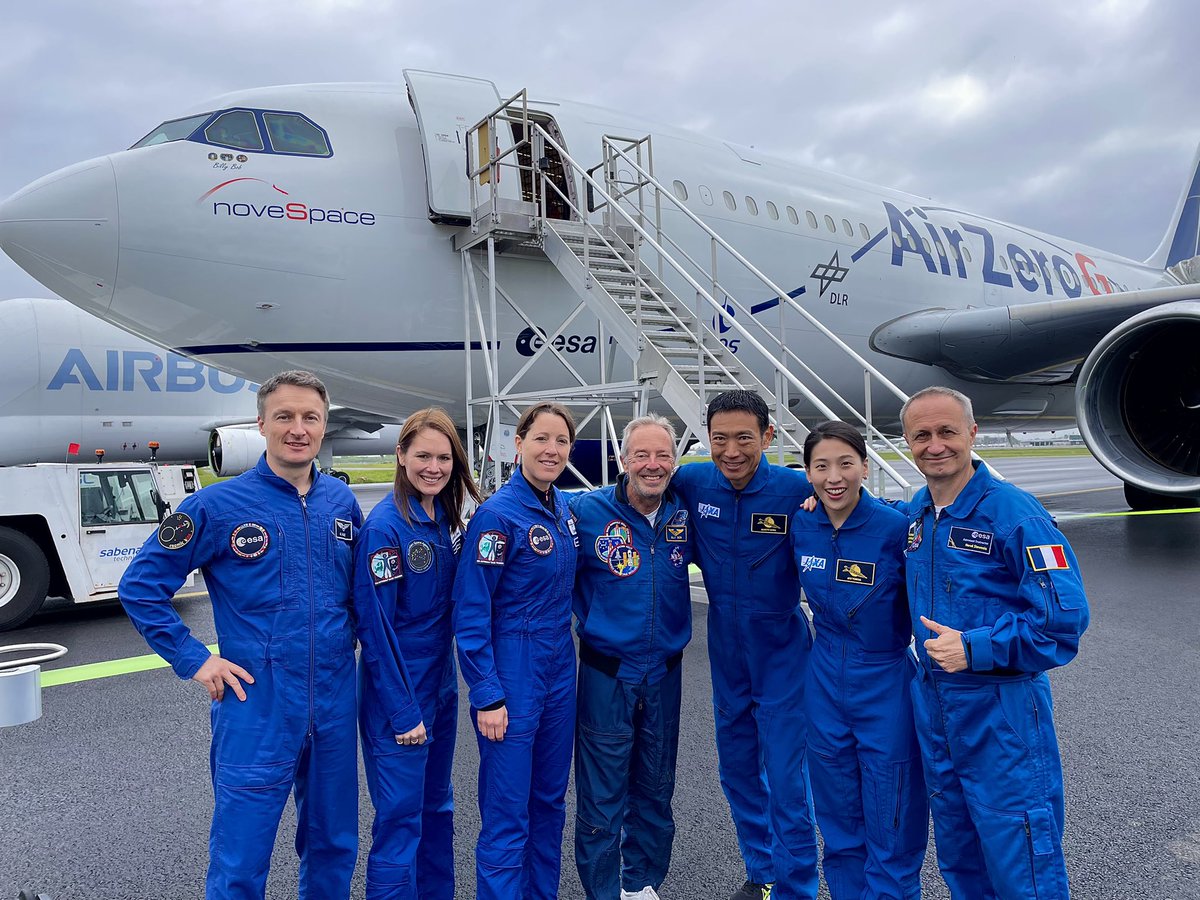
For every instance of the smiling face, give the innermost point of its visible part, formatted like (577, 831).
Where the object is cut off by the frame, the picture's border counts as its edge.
(428, 462)
(940, 437)
(737, 445)
(293, 422)
(649, 457)
(544, 449)
(836, 472)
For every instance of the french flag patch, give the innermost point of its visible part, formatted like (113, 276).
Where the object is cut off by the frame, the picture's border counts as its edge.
(1047, 557)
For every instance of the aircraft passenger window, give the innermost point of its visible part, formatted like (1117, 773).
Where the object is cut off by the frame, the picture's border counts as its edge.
(792, 217)
(925, 244)
(811, 217)
(295, 134)
(966, 252)
(862, 229)
(772, 210)
(848, 228)
(830, 224)
(174, 130)
(896, 238)
(751, 205)
(1004, 262)
(235, 129)
(729, 201)
(680, 190)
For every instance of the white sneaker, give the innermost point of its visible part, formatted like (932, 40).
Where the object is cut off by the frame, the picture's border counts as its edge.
(646, 893)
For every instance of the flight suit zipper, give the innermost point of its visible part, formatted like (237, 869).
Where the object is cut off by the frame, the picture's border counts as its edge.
(312, 613)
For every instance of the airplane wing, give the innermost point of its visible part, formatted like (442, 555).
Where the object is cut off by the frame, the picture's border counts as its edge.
(1038, 343)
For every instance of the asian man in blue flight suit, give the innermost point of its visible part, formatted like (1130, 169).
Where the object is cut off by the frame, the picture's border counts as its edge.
(274, 546)
(633, 617)
(740, 509)
(997, 600)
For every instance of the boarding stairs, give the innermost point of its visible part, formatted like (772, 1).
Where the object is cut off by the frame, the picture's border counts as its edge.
(615, 254)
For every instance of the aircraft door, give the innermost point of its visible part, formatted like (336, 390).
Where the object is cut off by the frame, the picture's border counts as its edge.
(446, 107)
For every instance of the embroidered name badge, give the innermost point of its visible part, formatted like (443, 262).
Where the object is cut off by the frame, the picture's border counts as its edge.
(768, 523)
(419, 556)
(624, 561)
(676, 557)
(680, 518)
(343, 529)
(571, 528)
(915, 528)
(541, 541)
(812, 563)
(490, 549)
(850, 571)
(385, 565)
(708, 512)
(249, 540)
(969, 539)
(677, 534)
(176, 531)
(1048, 557)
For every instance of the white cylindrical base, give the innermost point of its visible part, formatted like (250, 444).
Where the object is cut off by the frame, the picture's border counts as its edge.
(20, 695)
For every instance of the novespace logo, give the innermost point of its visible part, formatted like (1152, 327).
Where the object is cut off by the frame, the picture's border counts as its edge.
(291, 211)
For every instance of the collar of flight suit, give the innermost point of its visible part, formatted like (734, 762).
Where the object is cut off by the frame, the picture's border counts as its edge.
(282, 484)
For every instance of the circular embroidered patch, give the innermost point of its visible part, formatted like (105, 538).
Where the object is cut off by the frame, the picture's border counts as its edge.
(249, 540)
(624, 560)
(176, 531)
(541, 541)
(420, 556)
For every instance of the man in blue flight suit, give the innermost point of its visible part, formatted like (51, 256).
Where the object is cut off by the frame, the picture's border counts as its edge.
(633, 616)
(997, 600)
(740, 509)
(274, 545)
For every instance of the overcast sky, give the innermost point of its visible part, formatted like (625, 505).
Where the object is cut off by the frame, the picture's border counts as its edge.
(1076, 118)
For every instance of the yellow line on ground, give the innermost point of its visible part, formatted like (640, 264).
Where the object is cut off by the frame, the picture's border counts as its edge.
(107, 669)
(1114, 487)
(1128, 512)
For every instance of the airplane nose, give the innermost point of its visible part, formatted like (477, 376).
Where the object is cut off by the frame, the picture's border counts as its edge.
(62, 230)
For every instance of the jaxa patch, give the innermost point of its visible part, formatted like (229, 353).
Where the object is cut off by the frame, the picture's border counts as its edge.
(812, 563)
(490, 549)
(850, 571)
(680, 518)
(1048, 557)
(768, 523)
(419, 556)
(385, 565)
(708, 511)
(176, 531)
(676, 557)
(541, 541)
(249, 540)
(624, 561)
(676, 534)
(343, 530)
(969, 539)
(915, 528)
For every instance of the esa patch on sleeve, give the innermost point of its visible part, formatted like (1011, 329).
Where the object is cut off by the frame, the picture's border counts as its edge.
(176, 531)
(385, 565)
(490, 549)
(1047, 557)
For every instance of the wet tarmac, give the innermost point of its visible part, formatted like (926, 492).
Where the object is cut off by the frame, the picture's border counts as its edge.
(107, 796)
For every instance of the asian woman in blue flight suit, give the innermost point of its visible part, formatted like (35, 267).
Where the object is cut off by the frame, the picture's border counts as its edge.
(404, 567)
(863, 756)
(512, 621)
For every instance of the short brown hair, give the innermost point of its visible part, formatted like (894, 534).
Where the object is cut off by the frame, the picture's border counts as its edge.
(546, 406)
(295, 378)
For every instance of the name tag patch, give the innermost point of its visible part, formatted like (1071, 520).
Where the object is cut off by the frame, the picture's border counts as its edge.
(343, 529)
(812, 563)
(176, 531)
(385, 565)
(419, 556)
(850, 571)
(490, 549)
(249, 540)
(969, 539)
(768, 523)
(677, 534)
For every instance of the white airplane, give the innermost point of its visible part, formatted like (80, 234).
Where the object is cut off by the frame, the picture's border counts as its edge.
(274, 227)
(69, 381)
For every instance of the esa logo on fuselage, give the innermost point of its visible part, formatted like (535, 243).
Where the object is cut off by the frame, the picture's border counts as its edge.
(533, 339)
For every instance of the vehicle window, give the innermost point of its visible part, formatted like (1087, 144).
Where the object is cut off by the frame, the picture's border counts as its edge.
(290, 133)
(792, 217)
(848, 228)
(830, 224)
(751, 205)
(730, 203)
(680, 190)
(772, 210)
(173, 130)
(811, 217)
(862, 229)
(235, 129)
(116, 497)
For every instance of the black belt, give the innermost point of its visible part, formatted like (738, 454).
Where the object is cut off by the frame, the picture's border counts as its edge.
(610, 665)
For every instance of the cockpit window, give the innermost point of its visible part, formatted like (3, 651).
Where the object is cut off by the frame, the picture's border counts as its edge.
(235, 129)
(290, 133)
(174, 130)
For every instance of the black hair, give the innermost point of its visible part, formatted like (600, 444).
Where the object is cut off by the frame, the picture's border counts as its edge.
(838, 430)
(740, 401)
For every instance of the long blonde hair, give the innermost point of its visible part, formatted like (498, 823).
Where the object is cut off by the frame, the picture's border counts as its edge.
(454, 494)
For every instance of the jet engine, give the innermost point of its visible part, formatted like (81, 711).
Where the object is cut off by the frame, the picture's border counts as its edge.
(1138, 404)
(232, 451)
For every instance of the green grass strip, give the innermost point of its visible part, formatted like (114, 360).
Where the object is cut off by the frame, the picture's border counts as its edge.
(109, 669)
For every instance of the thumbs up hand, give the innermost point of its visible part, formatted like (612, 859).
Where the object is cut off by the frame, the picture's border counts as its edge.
(946, 648)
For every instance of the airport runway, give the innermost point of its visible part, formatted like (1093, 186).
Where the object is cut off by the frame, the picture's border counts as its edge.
(107, 795)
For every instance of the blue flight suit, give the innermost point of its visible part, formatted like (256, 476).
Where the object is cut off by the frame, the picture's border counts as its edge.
(863, 756)
(403, 576)
(512, 623)
(278, 568)
(758, 646)
(994, 566)
(633, 613)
